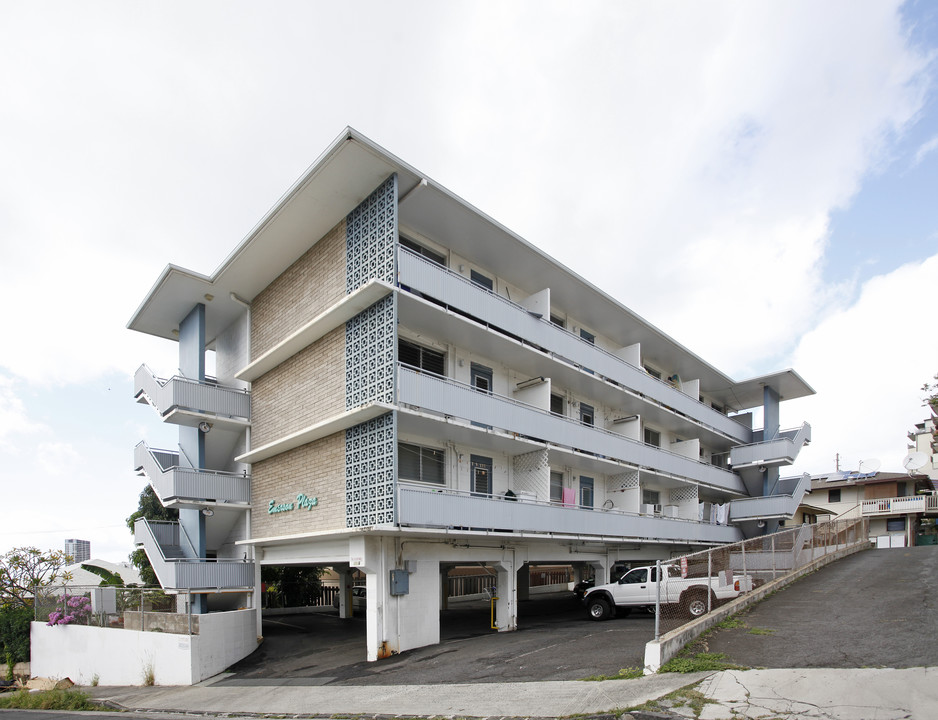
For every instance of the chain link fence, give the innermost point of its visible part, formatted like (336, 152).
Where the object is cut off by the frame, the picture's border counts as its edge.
(691, 586)
(148, 609)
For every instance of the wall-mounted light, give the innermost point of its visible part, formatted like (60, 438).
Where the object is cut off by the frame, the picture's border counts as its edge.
(209, 297)
(208, 512)
(204, 426)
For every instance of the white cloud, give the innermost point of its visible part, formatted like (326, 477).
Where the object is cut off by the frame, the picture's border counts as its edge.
(15, 422)
(693, 160)
(59, 459)
(868, 365)
(925, 149)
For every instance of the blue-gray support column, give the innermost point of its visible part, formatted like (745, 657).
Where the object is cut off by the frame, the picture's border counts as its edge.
(191, 439)
(771, 427)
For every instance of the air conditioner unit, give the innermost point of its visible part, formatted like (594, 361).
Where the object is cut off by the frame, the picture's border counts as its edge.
(669, 511)
(648, 509)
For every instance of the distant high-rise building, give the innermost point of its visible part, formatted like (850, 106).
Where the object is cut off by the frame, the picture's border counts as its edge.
(80, 550)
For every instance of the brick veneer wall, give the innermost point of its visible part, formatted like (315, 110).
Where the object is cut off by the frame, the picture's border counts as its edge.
(305, 389)
(310, 285)
(316, 470)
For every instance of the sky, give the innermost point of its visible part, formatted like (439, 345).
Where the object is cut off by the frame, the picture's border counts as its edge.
(756, 179)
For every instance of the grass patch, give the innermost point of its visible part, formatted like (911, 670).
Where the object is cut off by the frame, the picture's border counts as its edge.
(760, 631)
(733, 621)
(698, 662)
(628, 673)
(49, 700)
(688, 696)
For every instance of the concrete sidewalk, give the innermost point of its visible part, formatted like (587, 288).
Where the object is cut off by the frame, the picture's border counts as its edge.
(537, 699)
(859, 694)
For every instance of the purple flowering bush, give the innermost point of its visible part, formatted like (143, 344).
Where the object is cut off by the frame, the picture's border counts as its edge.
(74, 609)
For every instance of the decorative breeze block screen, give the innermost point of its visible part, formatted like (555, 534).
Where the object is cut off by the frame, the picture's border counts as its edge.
(370, 354)
(369, 472)
(371, 238)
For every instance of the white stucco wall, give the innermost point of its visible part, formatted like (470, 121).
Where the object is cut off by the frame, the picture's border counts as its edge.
(122, 657)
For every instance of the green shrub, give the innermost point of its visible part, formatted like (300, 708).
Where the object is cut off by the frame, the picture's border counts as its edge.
(14, 632)
(48, 700)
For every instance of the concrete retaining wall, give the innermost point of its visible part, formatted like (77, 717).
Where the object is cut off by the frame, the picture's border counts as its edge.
(125, 657)
(659, 651)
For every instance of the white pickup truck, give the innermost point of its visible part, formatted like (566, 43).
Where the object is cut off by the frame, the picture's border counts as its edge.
(637, 588)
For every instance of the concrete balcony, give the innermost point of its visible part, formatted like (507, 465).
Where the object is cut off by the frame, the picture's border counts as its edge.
(447, 397)
(182, 401)
(426, 506)
(430, 280)
(900, 505)
(781, 505)
(169, 552)
(780, 450)
(180, 486)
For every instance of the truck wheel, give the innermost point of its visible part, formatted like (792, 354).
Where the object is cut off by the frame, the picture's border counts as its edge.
(599, 609)
(696, 605)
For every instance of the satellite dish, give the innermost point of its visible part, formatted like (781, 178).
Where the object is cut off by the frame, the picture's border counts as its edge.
(914, 461)
(869, 466)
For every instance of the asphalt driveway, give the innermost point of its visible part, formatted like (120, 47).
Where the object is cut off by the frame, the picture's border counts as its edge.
(555, 641)
(877, 608)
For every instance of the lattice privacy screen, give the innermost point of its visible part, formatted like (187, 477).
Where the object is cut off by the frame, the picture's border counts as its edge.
(624, 481)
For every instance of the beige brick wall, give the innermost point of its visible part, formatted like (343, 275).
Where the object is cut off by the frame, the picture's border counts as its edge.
(316, 470)
(305, 289)
(305, 389)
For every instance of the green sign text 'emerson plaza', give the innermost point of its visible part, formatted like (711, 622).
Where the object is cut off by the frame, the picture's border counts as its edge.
(302, 501)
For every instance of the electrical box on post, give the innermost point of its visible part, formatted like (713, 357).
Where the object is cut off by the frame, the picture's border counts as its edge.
(400, 582)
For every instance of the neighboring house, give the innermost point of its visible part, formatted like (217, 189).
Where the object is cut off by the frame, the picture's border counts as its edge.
(403, 386)
(901, 508)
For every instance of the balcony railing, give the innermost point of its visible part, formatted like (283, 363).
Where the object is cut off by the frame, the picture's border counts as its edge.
(454, 290)
(177, 485)
(780, 450)
(449, 397)
(430, 507)
(784, 504)
(186, 573)
(184, 401)
(901, 505)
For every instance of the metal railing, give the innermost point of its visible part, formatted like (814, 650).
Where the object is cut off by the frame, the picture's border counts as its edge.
(704, 580)
(119, 608)
(174, 482)
(181, 393)
(425, 506)
(452, 289)
(783, 448)
(900, 505)
(451, 397)
(780, 505)
(189, 573)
